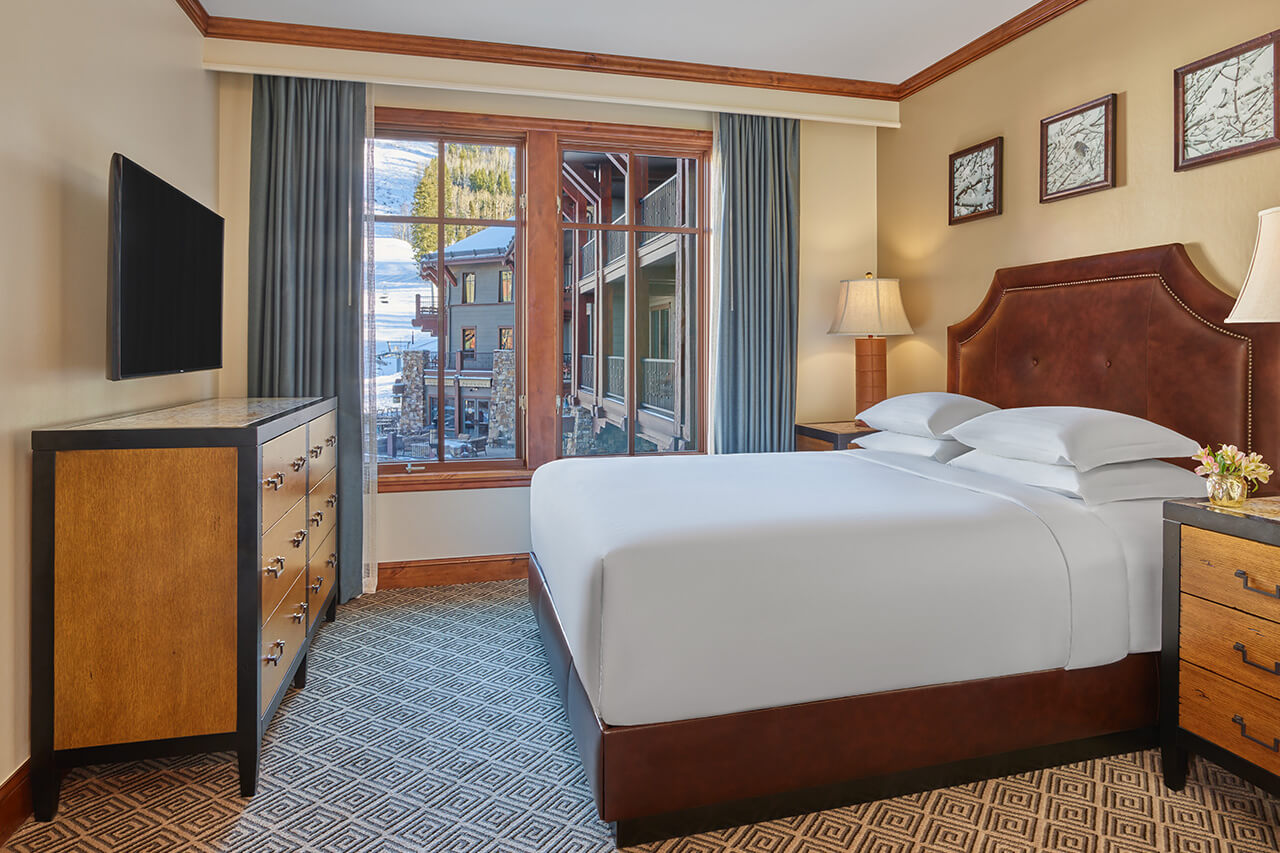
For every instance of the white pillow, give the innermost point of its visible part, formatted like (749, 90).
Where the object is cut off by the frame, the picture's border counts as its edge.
(1071, 435)
(1119, 481)
(940, 449)
(929, 413)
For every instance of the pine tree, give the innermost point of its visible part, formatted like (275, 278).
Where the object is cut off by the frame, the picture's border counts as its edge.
(478, 186)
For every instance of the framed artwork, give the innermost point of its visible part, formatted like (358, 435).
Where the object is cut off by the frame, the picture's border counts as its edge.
(976, 183)
(1225, 105)
(1078, 150)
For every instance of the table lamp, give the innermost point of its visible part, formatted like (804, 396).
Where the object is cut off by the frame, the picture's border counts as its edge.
(1259, 299)
(870, 308)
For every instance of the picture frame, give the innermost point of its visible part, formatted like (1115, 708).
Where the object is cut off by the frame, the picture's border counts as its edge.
(1078, 150)
(976, 184)
(1227, 105)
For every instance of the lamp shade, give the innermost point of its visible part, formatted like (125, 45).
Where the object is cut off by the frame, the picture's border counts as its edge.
(870, 306)
(1259, 300)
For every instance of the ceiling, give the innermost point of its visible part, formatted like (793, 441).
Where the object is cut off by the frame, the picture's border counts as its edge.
(883, 41)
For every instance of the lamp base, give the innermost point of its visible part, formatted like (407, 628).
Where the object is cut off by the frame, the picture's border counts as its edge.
(870, 376)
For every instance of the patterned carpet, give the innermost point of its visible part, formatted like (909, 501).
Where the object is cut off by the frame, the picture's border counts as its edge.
(429, 723)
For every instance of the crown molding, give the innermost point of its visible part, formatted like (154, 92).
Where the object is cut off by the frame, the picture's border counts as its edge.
(242, 29)
(1016, 27)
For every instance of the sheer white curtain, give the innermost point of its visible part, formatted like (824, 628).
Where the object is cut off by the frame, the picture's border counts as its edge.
(369, 385)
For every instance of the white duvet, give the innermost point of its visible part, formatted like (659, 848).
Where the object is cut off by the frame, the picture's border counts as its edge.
(690, 586)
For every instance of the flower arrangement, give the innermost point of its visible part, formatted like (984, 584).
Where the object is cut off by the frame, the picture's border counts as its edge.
(1231, 472)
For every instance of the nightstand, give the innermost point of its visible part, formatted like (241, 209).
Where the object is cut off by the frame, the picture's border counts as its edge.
(1220, 655)
(834, 435)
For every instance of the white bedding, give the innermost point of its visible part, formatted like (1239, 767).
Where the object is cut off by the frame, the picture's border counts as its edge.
(691, 586)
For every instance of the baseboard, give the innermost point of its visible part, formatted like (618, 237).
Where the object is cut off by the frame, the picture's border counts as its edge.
(412, 573)
(15, 801)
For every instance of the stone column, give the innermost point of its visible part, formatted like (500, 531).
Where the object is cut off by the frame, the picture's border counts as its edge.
(412, 402)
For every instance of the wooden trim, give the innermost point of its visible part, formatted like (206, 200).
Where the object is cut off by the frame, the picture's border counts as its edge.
(15, 801)
(1017, 26)
(338, 38)
(469, 50)
(450, 480)
(391, 121)
(451, 570)
(197, 13)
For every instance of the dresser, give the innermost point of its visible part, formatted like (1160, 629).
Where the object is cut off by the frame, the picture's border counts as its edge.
(181, 562)
(1220, 656)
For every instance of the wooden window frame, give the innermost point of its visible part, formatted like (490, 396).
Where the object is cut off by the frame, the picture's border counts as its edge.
(462, 344)
(468, 288)
(510, 333)
(506, 286)
(538, 306)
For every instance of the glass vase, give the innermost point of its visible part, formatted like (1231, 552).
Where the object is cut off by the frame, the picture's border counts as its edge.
(1227, 490)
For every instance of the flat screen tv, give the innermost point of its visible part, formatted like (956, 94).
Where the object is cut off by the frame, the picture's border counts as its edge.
(165, 275)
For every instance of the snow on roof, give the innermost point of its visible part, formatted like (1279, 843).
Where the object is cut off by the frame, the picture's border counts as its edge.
(495, 238)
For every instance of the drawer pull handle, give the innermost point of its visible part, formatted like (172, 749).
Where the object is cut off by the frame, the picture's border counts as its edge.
(1274, 746)
(332, 562)
(331, 441)
(301, 615)
(274, 660)
(332, 500)
(1244, 656)
(1244, 576)
(274, 482)
(315, 587)
(299, 538)
(316, 451)
(275, 567)
(299, 463)
(317, 518)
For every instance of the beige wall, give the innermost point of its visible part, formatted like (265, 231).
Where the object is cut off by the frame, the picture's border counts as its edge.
(81, 82)
(1125, 46)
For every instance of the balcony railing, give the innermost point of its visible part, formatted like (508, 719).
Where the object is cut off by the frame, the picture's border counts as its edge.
(657, 384)
(662, 206)
(587, 372)
(426, 316)
(470, 360)
(615, 381)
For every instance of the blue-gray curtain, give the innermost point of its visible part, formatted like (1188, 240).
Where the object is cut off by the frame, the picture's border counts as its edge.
(759, 283)
(305, 265)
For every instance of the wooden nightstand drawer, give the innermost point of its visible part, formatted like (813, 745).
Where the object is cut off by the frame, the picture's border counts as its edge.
(284, 474)
(323, 445)
(1239, 573)
(282, 637)
(1237, 645)
(1240, 720)
(282, 541)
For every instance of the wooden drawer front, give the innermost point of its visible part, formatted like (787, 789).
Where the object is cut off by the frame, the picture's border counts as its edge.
(322, 574)
(1240, 720)
(323, 445)
(279, 542)
(282, 637)
(322, 507)
(804, 442)
(1241, 647)
(284, 474)
(1236, 572)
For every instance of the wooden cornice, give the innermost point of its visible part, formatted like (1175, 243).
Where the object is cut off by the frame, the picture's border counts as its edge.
(242, 29)
(1017, 26)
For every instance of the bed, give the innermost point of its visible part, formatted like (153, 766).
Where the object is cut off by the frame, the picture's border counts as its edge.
(738, 638)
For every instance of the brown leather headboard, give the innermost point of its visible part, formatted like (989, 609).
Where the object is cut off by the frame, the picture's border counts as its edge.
(1139, 332)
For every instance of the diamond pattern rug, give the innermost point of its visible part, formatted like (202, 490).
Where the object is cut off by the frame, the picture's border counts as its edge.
(430, 723)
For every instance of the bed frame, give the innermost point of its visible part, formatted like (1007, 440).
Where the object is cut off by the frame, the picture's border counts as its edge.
(1138, 332)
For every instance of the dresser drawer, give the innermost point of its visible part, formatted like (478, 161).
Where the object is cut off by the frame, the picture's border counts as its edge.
(1241, 721)
(1237, 645)
(1239, 573)
(284, 474)
(323, 445)
(283, 561)
(323, 574)
(282, 637)
(322, 506)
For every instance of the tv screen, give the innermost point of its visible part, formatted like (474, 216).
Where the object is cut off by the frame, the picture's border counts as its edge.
(165, 277)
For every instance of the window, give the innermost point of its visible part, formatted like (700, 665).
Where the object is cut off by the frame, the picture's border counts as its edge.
(458, 220)
(632, 249)
(446, 221)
